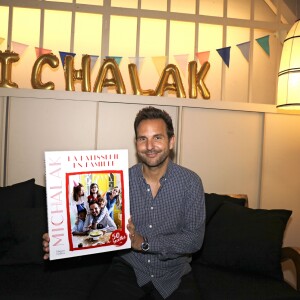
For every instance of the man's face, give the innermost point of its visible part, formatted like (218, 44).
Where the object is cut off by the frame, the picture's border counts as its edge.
(152, 143)
(95, 209)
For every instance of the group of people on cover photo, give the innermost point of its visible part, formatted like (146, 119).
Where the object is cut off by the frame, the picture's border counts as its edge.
(94, 211)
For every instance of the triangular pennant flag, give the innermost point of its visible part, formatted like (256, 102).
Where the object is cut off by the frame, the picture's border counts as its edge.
(245, 47)
(133, 60)
(41, 51)
(203, 56)
(138, 61)
(63, 55)
(116, 58)
(182, 60)
(1, 40)
(225, 54)
(159, 63)
(18, 47)
(93, 60)
(264, 43)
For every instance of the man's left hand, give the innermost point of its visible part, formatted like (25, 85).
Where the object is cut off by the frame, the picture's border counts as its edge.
(135, 237)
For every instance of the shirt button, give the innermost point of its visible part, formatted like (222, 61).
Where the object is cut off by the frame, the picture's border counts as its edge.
(148, 190)
(152, 275)
(152, 207)
(149, 261)
(150, 226)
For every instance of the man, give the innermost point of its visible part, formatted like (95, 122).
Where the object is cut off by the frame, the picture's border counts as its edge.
(98, 217)
(167, 220)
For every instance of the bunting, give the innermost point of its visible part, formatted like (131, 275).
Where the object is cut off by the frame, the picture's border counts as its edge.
(63, 55)
(159, 63)
(264, 43)
(18, 47)
(93, 60)
(245, 47)
(203, 56)
(41, 51)
(138, 61)
(182, 61)
(225, 54)
(116, 58)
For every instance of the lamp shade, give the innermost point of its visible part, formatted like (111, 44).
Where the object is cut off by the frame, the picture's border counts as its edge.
(288, 93)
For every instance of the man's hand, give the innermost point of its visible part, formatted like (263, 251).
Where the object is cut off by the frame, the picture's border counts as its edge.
(45, 243)
(135, 237)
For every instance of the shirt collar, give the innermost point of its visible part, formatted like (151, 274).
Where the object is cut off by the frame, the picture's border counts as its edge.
(166, 175)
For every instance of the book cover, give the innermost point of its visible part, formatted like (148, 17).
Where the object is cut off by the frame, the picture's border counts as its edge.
(87, 202)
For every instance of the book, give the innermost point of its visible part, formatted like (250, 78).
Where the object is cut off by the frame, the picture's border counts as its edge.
(87, 202)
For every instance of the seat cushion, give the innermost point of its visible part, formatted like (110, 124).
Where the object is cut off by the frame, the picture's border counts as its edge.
(67, 279)
(218, 283)
(27, 226)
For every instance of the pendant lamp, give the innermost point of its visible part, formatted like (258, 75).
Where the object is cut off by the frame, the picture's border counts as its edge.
(288, 93)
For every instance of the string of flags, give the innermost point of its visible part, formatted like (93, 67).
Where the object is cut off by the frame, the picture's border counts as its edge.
(159, 61)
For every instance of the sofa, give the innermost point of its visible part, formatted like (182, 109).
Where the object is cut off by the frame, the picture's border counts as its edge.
(240, 258)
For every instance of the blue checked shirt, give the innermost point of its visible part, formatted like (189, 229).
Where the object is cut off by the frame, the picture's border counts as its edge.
(173, 222)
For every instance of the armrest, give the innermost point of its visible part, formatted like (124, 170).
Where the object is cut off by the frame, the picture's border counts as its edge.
(293, 253)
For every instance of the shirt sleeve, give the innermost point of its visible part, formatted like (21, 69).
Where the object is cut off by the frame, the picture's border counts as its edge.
(102, 215)
(110, 224)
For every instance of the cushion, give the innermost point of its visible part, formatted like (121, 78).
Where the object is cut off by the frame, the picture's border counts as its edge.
(39, 196)
(32, 282)
(19, 195)
(218, 284)
(27, 227)
(22, 193)
(242, 238)
(214, 201)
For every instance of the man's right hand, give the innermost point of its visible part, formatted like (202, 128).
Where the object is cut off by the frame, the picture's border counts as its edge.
(45, 243)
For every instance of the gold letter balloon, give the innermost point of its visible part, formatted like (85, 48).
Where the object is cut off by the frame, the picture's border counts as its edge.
(176, 86)
(36, 74)
(116, 81)
(196, 80)
(6, 59)
(109, 75)
(83, 74)
(135, 82)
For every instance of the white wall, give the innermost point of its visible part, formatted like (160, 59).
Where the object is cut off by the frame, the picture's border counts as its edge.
(224, 147)
(234, 147)
(281, 169)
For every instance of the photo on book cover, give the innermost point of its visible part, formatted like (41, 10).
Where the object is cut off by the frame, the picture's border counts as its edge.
(87, 201)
